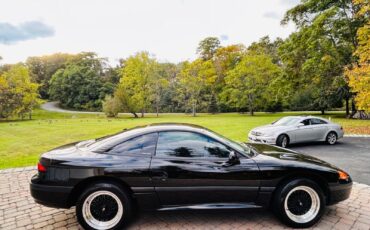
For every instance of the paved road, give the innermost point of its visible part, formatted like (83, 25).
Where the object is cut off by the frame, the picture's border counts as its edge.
(53, 107)
(351, 154)
(19, 211)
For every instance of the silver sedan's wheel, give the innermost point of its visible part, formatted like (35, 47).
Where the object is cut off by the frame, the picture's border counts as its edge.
(102, 210)
(302, 204)
(284, 142)
(331, 138)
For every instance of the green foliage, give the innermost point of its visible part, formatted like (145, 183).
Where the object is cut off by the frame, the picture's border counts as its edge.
(247, 82)
(315, 55)
(208, 47)
(18, 95)
(43, 67)
(138, 81)
(80, 84)
(195, 78)
(111, 106)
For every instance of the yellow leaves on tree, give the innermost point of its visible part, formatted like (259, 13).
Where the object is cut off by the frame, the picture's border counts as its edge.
(359, 75)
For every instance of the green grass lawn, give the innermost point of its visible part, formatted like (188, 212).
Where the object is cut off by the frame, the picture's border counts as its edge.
(22, 142)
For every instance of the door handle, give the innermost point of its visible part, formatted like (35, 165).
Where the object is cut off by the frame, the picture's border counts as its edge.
(163, 176)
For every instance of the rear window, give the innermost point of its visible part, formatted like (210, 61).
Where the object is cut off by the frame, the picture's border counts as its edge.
(316, 121)
(144, 144)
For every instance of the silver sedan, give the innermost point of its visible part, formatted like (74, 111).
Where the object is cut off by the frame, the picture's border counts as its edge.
(297, 129)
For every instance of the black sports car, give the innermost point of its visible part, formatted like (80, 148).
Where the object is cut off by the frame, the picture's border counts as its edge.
(177, 166)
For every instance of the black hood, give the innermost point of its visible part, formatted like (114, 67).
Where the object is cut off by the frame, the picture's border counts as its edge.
(286, 155)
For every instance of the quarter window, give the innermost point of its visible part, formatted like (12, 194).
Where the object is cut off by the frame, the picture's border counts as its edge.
(144, 144)
(188, 144)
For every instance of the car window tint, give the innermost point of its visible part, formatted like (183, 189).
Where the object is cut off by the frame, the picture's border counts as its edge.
(188, 144)
(306, 122)
(216, 149)
(181, 144)
(315, 121)
(144, 144)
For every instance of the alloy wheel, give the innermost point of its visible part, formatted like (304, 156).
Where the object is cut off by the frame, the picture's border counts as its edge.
(332, 138)
(302, 204)
(102, 210)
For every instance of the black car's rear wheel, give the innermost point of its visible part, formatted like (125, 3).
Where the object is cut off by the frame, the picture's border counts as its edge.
(299, 203)
(103, 206)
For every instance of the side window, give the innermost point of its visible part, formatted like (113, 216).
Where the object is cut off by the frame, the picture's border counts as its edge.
(216, 149)
(316, 121)
(306, 122)
(144, 144)
(181, 144)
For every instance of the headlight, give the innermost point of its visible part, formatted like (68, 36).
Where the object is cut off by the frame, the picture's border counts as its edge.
(343, 175)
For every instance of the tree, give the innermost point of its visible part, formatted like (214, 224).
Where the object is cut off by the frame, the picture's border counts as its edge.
(247, 82)
(195, 78)
(208, 47)
(18, 95)
(135, 89)
(42, 69)
(318, 52)
(80, 84)
(359, 74)
(111, 106)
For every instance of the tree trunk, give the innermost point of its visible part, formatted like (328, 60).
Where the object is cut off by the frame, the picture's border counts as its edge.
(353, 107)
(194, 112)
(322, 111)
(347, 106)
(251, 110)
(30, 115)
(142, 113)
(135, 115)
(157, 107)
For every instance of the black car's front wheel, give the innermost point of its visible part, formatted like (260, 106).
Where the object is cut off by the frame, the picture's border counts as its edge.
(299, 203)
(103, 206)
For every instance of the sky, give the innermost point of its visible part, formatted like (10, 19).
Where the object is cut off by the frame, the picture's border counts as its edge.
(170, 30)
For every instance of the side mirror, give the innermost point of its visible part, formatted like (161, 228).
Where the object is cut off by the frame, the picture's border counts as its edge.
(232, 156)
(300, 125)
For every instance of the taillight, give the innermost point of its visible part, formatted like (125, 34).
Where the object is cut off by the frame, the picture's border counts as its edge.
(41, 168)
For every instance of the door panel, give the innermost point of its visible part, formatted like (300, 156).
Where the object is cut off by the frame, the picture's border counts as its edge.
(304, 133)
(185, 171)
(196, 181)
(319, 128)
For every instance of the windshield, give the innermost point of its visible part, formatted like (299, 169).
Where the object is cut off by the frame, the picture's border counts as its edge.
(286, 121)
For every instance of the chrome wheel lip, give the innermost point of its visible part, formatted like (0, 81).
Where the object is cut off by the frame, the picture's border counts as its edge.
(311, 213)
(94, 223)
(332, 138)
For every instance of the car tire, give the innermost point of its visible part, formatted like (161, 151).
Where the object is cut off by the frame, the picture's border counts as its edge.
(282, 141)
(299, 203)
(104, 206)
(331, 138)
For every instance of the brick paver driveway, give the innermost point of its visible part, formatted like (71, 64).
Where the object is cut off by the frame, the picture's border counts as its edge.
(18, 211)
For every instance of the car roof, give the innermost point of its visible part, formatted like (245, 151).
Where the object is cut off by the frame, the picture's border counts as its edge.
(140, 130)
(302, 117)
(157, 127)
